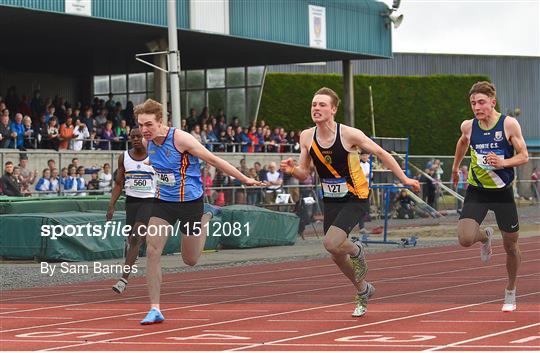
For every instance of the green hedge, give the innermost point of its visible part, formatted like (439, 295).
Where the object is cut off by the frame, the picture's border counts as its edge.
(429, 109)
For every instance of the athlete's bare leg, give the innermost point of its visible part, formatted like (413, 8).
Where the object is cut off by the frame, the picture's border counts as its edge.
(513, 257)
(469, 232)
(154, 249)
(193, 245)
(341, 248)
(135, 240)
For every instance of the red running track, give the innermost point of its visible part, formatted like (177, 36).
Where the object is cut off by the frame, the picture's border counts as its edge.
(439, 298)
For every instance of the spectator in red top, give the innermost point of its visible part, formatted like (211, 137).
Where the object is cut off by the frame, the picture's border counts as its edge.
(252, 135)
(207, 181)
(66, 134)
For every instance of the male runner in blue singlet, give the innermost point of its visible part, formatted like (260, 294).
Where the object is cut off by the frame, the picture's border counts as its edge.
(174, 154)
(492, 138)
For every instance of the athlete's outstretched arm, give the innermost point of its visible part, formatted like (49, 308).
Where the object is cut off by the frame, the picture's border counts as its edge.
(301, 171)
(190, 144)
(359, 139)
(461, 148)
(118, 184)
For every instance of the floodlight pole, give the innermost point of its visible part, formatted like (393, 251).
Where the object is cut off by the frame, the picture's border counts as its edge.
(174, 63)
(372, 112)
(348, 93)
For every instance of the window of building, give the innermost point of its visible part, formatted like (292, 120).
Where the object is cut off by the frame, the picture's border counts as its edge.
(235, 90)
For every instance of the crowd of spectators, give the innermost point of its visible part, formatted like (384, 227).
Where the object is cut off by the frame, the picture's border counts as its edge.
(73, 180)
(56, 124)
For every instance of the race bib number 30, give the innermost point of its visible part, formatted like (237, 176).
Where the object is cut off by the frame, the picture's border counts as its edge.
(166, 179)
(334, 188)
(482, 160)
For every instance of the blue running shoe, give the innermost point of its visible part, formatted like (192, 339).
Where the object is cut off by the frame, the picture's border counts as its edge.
(154, 316)
(214, 210)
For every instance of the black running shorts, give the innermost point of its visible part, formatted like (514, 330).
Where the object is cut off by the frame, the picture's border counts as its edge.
(344, 215)
(501, 201)
(138, 210)
(187, 213)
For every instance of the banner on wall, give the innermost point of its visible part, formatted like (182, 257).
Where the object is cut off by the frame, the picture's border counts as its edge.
(79, 7)
(317, 26)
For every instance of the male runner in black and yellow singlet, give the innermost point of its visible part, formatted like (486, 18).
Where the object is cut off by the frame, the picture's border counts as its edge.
(334, 149)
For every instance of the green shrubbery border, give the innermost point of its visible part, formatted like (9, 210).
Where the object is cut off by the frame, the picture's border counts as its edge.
(429, 109)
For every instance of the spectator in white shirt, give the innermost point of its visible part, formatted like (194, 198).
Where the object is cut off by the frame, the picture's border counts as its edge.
(105, 179)
(80, 132)
(54, 181)
(274, 178)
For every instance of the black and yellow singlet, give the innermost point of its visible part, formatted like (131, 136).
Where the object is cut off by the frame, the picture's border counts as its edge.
(340, 172)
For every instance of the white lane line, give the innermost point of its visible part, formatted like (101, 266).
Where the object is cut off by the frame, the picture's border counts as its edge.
(379, 322)
(421, 332)
(107, 288)
(485, 336)
(458, 295)
(312, 320)
(36, 317)
(389, 345)
(499, 311)
(265, 331)
(98, 309)
(232, 310)
(98, 329)
(471, 321)
(179, 319)
(210, 294)
(370, 310)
